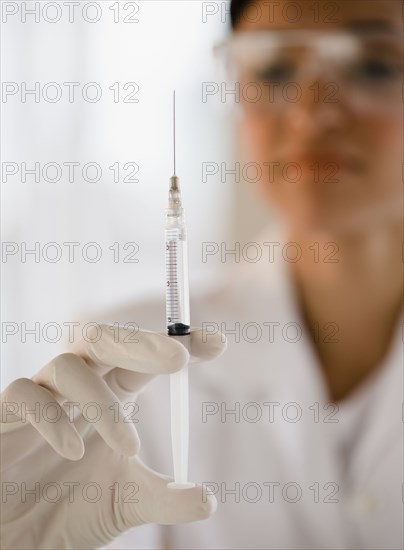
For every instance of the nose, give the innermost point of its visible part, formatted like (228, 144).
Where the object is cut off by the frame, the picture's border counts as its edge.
(320, 107)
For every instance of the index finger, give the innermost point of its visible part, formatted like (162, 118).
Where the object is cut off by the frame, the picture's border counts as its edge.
(142, 351)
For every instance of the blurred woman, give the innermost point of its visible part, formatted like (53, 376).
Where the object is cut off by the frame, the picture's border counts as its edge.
(296, 430)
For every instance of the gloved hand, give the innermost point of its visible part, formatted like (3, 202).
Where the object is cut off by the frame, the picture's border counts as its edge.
(75, 483)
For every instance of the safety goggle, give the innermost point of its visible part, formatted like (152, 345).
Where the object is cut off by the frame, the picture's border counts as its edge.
(278, 67)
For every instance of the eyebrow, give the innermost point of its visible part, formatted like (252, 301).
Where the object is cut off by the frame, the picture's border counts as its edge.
(374, 25)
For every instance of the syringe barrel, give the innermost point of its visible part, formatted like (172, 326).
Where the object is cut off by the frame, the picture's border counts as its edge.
(177, 288)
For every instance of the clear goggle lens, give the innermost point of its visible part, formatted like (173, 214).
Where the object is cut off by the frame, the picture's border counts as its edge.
(366, 69)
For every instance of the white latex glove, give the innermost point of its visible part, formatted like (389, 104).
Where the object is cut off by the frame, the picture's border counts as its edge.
(87, 484)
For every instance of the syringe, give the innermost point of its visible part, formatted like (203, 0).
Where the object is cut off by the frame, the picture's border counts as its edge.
(178, 323)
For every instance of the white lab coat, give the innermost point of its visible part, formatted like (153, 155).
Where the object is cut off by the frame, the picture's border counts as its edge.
(330, 479)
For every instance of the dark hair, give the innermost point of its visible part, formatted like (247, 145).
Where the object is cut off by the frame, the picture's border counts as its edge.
(236, 10)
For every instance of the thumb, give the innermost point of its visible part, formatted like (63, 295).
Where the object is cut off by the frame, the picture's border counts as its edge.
(183, 505)
(157, 502)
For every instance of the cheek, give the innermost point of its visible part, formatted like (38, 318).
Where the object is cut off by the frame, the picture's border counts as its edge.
(256, 138)
(382, 141)
(261, 141)
(384, 128)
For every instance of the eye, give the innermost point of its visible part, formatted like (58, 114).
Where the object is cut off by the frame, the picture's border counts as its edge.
(377, 70)
(276, 72)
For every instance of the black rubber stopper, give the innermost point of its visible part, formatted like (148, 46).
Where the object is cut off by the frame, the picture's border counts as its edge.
(178, 329)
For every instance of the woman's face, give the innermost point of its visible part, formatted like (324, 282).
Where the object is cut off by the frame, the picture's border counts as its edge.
(348, 150)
